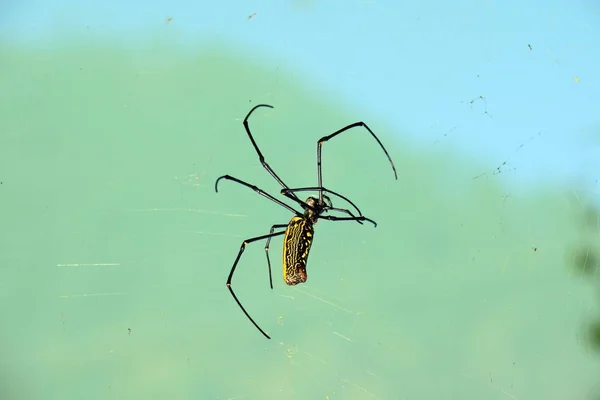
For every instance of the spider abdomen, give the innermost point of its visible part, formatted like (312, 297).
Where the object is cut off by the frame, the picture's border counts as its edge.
(296, 247)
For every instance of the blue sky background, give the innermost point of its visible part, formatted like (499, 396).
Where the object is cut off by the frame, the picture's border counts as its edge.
(416, 65)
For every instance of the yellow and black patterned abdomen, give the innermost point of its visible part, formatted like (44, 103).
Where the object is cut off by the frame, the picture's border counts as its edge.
(296, 246)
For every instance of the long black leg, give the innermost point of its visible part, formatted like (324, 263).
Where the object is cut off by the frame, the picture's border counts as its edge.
(361, 218)
(329, 207)
(322, 190)
(343, 210)
(267, 249)
(242, 248)
(260, 155)
(334, 134)
(257, 190)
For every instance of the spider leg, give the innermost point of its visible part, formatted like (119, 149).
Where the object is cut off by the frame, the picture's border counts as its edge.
(330, 206)
(327, 201)
(361, 218)
(260, 155)
(345, 211)
(334, 134)
(321, 190)
(257, 190)
(267, 249)
(237, 259)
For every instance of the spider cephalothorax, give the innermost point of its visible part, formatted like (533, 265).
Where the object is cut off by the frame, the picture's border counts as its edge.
(314, 209)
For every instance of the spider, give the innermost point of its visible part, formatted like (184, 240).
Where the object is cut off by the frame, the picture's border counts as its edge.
(299, 232)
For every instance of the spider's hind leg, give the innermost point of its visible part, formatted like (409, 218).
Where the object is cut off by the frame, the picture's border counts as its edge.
(277, 226)
(235, 263)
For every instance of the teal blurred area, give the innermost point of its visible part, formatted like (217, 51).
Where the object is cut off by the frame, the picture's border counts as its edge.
(115, 247)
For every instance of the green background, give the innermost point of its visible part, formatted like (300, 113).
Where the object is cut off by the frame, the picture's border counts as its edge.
(115, 248)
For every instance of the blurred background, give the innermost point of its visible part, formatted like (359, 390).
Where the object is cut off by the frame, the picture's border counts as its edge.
(479, 282)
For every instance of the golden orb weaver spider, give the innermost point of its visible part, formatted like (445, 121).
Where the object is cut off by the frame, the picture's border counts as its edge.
(299, 232)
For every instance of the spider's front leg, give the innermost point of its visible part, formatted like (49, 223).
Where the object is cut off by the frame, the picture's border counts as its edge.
(256, 189)
(290, 192)
(358, 219)
(346, 211)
